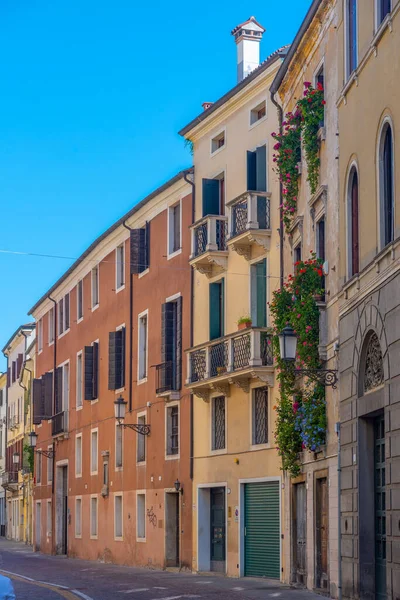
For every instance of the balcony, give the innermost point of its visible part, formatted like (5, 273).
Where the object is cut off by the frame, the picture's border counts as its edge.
(209, 250)
(250, 223)
(9, 480)
(166, 376)
(59, 423)
(235, 359)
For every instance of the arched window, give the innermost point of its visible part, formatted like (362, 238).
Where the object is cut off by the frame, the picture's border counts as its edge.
(352, 36)
(373, 364)
(353, 231)
(386, 186)
(383, 8)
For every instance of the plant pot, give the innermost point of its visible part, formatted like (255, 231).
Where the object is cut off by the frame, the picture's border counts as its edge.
(221, 370)
(245, 325)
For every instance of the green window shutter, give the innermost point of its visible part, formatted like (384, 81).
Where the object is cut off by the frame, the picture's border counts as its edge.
(261, 169)
(222, 307)
(211, 197)
(261, 287)
(251, 171)
(178, 367)
(216, 328)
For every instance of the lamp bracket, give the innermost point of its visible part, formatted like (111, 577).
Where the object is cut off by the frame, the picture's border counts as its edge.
(327, 377)
(46, 453)
(139, 428)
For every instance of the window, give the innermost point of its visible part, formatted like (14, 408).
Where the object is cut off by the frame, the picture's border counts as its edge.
(218, 142)
(260, 416)
(383, 9)
(218, 423)
(38, 467)
(297, 253)
(116, 359)
(40, 335)
(172, 430)
(141, 516)
(142, 346)
(258, 272)
(50, 466)
(170, 373)
(95, 287)
(93, 516)
(386, 186)
(78, 517)
(79, 380)
(141, 442)
(78, 455)
(48, 518)
(61, 388)
(94, 452)
(79, 300)
(213, 191)
(91, 371)
(257, 169)
(217, 309)
(352, 43)
(2, 395)
(63, 314)
(174, 228)
(105, 473)
(118, 446)
(320, 82)
(51, 325)
(321, 244)
(118, 516)
(140, 249)
(120, 266)
(353, 231)
(258, 112)
(14, 371)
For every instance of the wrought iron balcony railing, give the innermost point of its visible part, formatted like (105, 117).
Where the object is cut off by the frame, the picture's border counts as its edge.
(250, 210)
(247, 349)
(9, 477)
(59, 423)
(209, 235)
(165, 377)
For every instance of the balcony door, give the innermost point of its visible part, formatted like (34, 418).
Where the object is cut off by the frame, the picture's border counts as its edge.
(217, 310)
(213, 196)
(259, 294)
(257, 181)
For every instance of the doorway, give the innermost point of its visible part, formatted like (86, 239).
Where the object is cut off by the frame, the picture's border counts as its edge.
(62, 510)
(380, 508)
(299, 534)
(172, 529)
(38, 526)
(322, 532)
(217, 533)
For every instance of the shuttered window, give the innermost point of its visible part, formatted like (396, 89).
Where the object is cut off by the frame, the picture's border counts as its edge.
(116, 359)
(218, 423)
(79, 300)
(42, 398)
(217, 309)
(259, 294)
(352, 41)
(141, 442)
(171, 344)
(140, 249)
(14, 371)
(1, 397)
(79, 378)
(172, 430)
(92, 371)
(257, 170)
(384, 8)
(142, 346)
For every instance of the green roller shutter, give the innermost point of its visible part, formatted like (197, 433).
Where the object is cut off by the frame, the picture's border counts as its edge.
(262, 530)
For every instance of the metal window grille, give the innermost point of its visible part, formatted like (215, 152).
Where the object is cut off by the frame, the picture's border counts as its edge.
(241, 351)
(373, 375)
(267, 355)
(58, 425)
(165, 378)
(198, 365)
(218, 359)
(260, 416)
(239, 217)
(221, 234)
(218, 418)
(200, 237)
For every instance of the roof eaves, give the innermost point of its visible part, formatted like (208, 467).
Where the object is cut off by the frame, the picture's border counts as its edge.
(28, 326)
(280, 53)
(135, 209)
(295, 44)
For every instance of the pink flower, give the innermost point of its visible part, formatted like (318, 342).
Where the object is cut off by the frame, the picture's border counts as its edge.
(304, 343)
(299, 316)
(296, 406)
(307, 84)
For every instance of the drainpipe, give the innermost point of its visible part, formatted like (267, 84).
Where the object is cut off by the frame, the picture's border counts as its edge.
(281, 256)
(53, 504)
(5, 449)
(191, 322)
(339, 468)
(130, 329)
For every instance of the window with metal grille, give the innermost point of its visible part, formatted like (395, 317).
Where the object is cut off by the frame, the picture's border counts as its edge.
(260, 416)
(172, 430)
(141, 442)
(218, 423)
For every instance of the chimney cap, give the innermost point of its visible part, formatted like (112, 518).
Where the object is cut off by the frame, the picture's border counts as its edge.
(253, 25)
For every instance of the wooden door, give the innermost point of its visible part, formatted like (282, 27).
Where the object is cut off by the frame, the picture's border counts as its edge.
(299, 534)
(322, 533)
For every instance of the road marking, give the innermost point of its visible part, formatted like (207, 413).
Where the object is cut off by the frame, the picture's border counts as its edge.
(238, 589)
(177, 597)
(82, 595)
(133, 590)
(275, 595)
(159, 588)
(17, 575)
(204, 582)
(63, 587)
(65, 593)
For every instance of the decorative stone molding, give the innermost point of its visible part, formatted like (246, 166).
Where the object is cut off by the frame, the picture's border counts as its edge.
(243, 384)
(204, 394)
(221, 388)
(267, 378)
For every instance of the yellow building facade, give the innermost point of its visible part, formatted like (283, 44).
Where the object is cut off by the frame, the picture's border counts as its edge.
(237, 481)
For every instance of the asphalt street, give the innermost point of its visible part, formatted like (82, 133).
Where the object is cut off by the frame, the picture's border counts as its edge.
(40, 577)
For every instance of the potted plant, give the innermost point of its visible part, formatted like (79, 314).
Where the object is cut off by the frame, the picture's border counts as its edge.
(221, 370)
(244, 323)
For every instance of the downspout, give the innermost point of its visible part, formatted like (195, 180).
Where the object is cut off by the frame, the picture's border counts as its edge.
(281, 256)
(53, 504)
(6, 453)
(191, 426)
(130, 328)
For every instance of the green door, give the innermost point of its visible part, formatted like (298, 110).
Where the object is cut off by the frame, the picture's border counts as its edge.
(262, 530)
(217, 513)
(261, 275)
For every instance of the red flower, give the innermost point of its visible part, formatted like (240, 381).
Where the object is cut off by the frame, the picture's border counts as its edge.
(323, 102)
(320, 86)
(320, 272)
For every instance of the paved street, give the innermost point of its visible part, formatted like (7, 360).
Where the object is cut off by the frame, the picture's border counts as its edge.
(37, 577)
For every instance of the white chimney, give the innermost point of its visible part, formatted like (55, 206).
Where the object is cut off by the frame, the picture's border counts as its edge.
(247, 37)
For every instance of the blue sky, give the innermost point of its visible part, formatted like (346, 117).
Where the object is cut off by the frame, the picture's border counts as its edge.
(93, 94)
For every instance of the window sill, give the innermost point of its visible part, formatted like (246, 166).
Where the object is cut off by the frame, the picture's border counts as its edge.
(63, 333)
(118, 539)
(141, 381)
(141, 540)
(79, 407)
(142, 463)
(94, 537)
(94, 472)
(40, 351)
(95, 401)
(79, 320)
(118, 469)
(218, 452)
(217, 151)
(118, 290)
(95, 307)
(78, 476)
(253, 125)
(172, 456)
(175, 253)
(254, 447)
(78, 537)
(51, 343)
(143, 273)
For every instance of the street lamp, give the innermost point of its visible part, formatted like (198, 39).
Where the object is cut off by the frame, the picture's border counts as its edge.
(287, 348)
(16, 458)
(178, 487)
(120, 410)
(32, 444)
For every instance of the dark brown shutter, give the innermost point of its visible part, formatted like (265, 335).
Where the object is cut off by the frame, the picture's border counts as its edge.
(88, 384)
(14, 370)
(58, 390)
(66, 311)
(36, 401)
(112, 343)
(138, 259)
(48, 395)
(122, 357)
(95, 370)
(146, 249)
(20, 360)
(1, 397)
(178, 369)
(116, 359)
